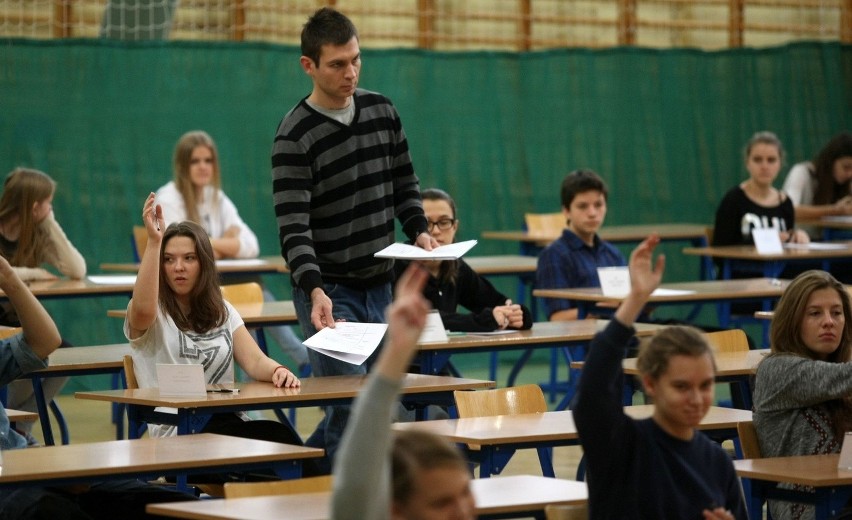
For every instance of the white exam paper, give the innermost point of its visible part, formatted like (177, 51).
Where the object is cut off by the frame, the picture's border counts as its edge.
(240, 262)
(434, 331)
(817, 246)
(118, 279)
(409, 252)
(348, 341)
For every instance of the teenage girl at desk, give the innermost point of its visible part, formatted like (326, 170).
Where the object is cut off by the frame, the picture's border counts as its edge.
(195, 194)
(453, 282)
(177, 315)
(30, 237)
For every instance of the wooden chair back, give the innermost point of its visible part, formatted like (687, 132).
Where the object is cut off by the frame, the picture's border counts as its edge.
(546, 224)
(562, 512)
(733, 340)
(129, 373)
(240, 293)
(278, 487)
(748, 440)
(140, 241)
(500, 401)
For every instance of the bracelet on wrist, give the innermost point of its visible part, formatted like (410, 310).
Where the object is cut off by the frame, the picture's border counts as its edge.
(276, 370)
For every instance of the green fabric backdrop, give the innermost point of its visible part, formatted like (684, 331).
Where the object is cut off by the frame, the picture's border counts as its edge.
(497, 130)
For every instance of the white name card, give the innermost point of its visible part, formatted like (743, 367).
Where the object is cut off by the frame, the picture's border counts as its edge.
(434, 331)
(845, 461)
(767, 241)
(615, 281)
(176, 380)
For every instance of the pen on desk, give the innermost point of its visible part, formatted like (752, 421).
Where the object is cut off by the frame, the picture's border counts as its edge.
(224, 390)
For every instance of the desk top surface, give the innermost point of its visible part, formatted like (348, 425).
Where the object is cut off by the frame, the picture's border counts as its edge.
(750, 253)
(312, 389)
(628, 233)
(541, 332)
(684, 291)
(727, 363)
(810, 470)
(85, 358)
(517, 493)
(548, 426)
(251, 313)
(496, 264)
(141, 455)
(62, 287)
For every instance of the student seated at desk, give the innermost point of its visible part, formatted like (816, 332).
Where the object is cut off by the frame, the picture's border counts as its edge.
(379, 475)
(177, 315)
(195, 194)
(803, 388)
(30, 237)
(23, 353)
(572, 260)
(660, 467)
(756, 204)
(821, 188)
(453, 282)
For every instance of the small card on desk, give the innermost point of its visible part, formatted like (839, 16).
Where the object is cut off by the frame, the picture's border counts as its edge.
(177, 380)
(845, 461)
(767, 241)
(615, 281)
(434, 331)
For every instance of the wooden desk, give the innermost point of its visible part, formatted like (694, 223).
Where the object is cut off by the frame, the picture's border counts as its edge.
(192, 414)
(830, 225)
(264, 314)
(149, 458)
(773, 264)
(499, 436)
(21, 415)
(248, 266)
(722, 292)
(73, 361)
(433, 357)
(518, 495)
(833, 486)
(63, 288)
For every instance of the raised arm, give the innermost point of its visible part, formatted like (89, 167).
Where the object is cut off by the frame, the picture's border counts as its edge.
(38, 327)
(645, 276)
(362, 475)
(142, 310)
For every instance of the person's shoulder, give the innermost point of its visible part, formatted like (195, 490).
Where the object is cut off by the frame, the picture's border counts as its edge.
(298, 116)
(371, 97)
(166, 189)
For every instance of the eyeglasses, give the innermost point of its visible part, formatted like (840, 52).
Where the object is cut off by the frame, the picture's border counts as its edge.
(443, 224)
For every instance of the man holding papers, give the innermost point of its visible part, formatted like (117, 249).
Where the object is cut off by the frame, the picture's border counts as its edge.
(341, 173)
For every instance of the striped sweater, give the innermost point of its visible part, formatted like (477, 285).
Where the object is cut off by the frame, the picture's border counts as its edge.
(337, 190)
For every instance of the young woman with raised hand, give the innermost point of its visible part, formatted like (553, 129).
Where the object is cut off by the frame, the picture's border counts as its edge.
(660, 467)
(177, 315)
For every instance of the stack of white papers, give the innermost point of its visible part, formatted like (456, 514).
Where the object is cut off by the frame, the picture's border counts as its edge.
(118, 279)
(347, 341)
(408, 252)
(816, 246)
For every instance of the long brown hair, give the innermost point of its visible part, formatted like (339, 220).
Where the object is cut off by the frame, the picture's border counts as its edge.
(23, 189)
(182, 161)
(785, 334)
(828, 191)
(208, 307)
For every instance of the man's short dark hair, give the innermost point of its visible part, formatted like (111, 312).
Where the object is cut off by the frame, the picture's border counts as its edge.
(581, 181)
(326, 26)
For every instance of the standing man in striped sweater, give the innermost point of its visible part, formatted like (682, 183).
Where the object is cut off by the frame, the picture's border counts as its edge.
(341, 173)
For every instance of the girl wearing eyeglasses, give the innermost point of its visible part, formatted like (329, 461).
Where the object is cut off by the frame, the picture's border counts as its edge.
(453, 282)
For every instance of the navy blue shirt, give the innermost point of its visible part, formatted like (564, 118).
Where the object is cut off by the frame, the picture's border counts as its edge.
(636, 470)
(569, 263)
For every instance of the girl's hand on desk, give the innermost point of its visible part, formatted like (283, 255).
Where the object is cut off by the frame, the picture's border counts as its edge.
(283, 378)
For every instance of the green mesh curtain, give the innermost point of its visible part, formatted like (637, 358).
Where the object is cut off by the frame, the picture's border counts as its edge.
(497, 130)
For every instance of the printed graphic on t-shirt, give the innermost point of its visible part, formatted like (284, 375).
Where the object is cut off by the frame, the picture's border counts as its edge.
(213, 349)
(751, 221)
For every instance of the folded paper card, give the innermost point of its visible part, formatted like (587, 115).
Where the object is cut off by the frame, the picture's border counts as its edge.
(434, 331)
(767, 241)
(615, 281)
(408, 252)
(180, 380)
